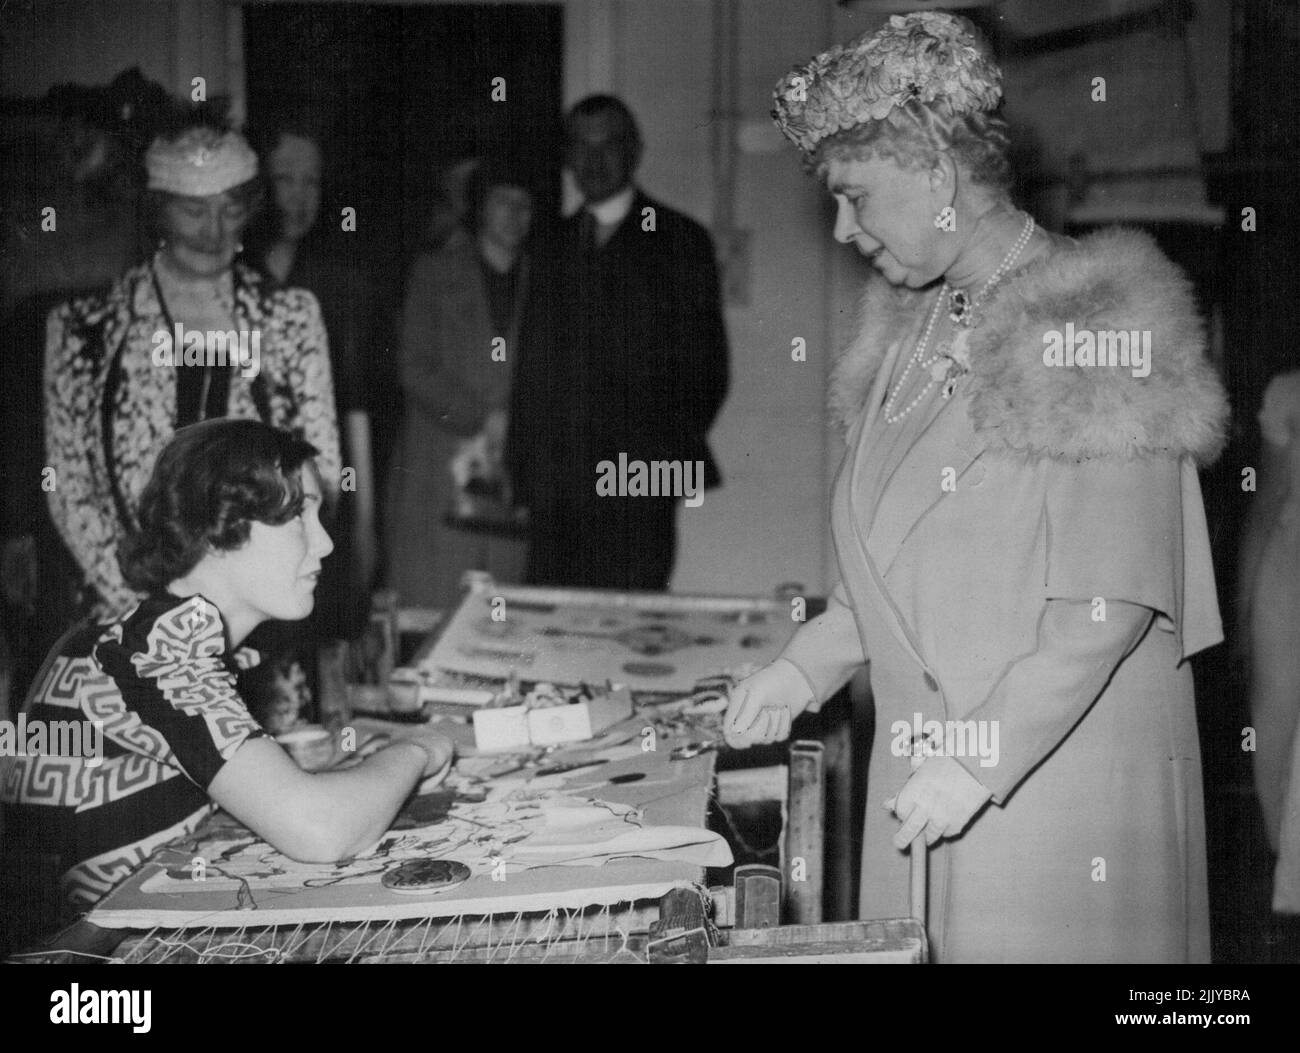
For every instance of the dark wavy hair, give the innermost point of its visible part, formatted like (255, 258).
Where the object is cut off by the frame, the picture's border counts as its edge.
(209, 484)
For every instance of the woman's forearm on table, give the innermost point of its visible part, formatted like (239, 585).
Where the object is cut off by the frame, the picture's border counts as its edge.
(363, 800)
(319, 818)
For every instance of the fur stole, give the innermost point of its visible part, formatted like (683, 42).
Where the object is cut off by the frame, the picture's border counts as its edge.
(1115, 279)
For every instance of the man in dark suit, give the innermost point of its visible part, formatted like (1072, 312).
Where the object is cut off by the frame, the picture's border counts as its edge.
(625, 354)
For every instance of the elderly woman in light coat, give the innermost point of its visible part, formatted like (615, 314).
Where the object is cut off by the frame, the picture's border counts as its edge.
(1018, 523)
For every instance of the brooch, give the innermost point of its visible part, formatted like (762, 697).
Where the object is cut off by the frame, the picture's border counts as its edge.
(961, 308)
(952, 364)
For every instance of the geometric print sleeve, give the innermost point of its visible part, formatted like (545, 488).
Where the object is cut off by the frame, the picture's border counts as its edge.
(169, 661)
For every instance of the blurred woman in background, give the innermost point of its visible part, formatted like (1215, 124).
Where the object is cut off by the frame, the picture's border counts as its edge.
(459, 338)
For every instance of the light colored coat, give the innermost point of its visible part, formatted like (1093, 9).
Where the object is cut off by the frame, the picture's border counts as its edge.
(1070, 484)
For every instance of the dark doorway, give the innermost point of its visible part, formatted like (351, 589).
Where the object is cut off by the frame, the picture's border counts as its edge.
(402, 91)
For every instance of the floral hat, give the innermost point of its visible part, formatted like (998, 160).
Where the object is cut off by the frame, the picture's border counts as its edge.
(927, 56)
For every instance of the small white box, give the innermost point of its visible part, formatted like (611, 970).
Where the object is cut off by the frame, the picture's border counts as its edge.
(580, 720)
(515, 727)
(501, 729)
(559, 724)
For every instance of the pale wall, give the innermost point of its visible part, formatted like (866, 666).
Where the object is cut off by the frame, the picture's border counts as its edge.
(91, 41)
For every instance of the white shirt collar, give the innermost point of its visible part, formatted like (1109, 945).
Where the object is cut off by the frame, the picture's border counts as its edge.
(612, 211)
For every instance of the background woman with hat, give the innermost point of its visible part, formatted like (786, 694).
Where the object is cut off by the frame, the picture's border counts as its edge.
(109, 407)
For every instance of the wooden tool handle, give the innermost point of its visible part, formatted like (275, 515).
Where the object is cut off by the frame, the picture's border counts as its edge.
(918, 867)
(918, 864)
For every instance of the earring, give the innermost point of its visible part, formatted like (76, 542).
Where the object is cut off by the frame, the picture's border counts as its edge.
(946, 219)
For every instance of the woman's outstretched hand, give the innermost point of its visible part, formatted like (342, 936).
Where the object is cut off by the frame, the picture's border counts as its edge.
(763, 706)
(940, 798)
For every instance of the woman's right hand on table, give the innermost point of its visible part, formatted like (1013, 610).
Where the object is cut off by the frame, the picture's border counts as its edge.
(763, 706)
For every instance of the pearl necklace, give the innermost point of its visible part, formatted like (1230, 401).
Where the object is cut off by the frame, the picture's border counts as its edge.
(962, 312)
(915, 359)
(962, 307)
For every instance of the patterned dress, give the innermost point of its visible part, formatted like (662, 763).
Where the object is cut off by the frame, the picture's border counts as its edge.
(109, 410)
(154, 696)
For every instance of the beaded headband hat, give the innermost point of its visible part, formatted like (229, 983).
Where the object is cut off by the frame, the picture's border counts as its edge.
(202, 161)
(927, 57)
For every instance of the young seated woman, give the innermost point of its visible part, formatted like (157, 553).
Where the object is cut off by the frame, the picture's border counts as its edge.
(229, 536)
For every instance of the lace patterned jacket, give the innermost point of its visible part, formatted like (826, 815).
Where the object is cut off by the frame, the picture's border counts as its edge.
(109, 409)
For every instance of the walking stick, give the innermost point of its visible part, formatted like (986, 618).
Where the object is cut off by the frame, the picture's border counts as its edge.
(919, 852)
